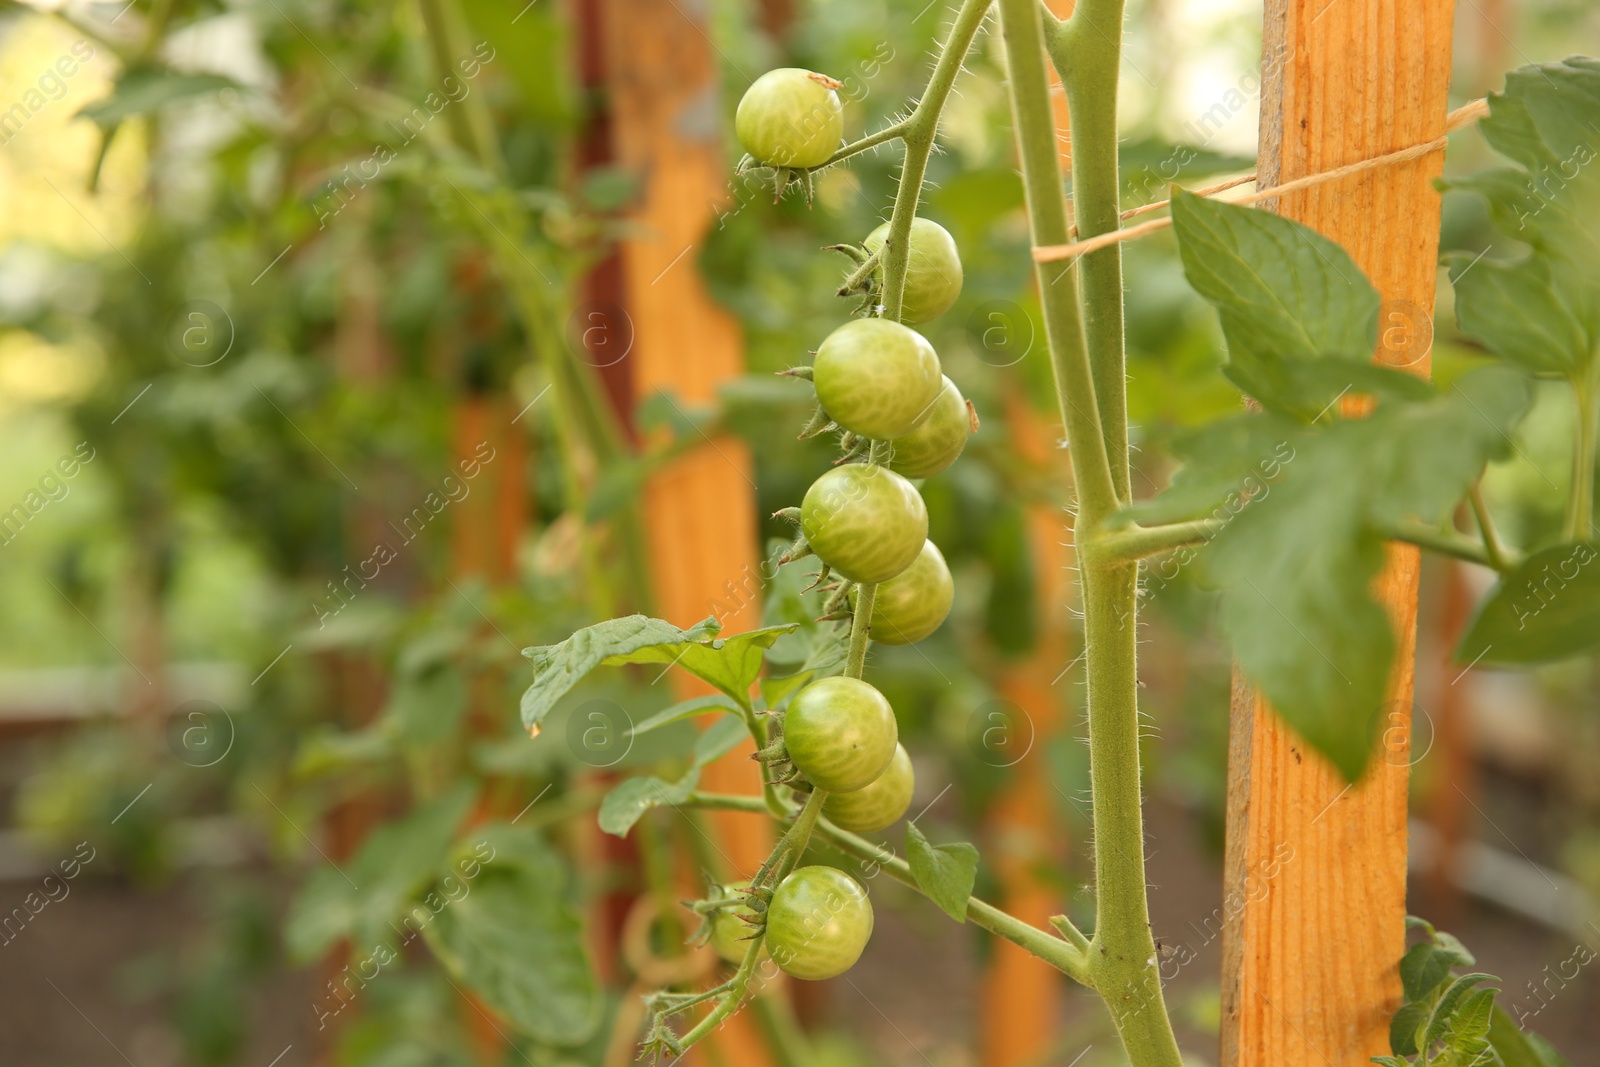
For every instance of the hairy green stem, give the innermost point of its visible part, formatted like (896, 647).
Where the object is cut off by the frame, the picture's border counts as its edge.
(1065, 955)
(919, 132)
(1086, 51)
(870, 141)
(855, 663)
(1060, 954)
(1121, 958)
(1450, 543)
(1498, 557)
(1136, 542)
(736, 989)
(1034, 123)
(794, 843)
(471, 126)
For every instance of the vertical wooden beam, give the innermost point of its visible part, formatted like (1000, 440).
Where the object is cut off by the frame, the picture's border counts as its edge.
(1318, 870)
(700, 511)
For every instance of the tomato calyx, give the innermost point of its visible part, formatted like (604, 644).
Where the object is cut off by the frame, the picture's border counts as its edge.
(864, 280)
(774, 758)
(782, 178)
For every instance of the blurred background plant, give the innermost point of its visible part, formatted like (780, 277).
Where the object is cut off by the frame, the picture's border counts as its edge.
(304, 433)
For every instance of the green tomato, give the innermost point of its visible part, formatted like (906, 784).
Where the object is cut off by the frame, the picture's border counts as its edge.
(729, 930)
(938, 440)
(933, 271)
(877, 378)
(864, 521)
(791, 118)
(819, 921)
(840, 733)
(912, 604)
(878, 805)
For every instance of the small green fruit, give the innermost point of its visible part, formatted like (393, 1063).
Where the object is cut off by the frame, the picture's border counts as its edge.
(938, 440)
(790, 117)
(878, 805)
(933, 269)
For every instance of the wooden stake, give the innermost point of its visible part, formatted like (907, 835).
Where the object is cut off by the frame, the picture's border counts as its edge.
(701, 510)
(1316, 872)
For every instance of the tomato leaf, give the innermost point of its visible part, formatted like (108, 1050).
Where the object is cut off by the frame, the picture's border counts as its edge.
(1300, 318)
(1524, 313)
(775, 692)
(945, 872)
(1295, 567)
(732, 664)
(627, 803)
(1426, 964)
(1441, 1023)
(1547, 609)
(686, 709)
(557, 668)
(516, 941)
(1406, 1027)
(1223, 463)
(1541, 312)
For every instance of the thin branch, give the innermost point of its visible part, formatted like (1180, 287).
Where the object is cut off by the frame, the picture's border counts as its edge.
(1449, 543)
(1066, 955)
(1137, 542)
(1491, 540)
(893, 132)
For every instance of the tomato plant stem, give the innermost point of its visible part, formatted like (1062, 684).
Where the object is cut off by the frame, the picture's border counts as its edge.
(472, 127)
(1450, 543)
(1061, 954)
(1057, 280)
(1135, 542)
(870, 141)
(919, 133)
(1066, 955)
(1086, 51)
(1091, 390)
(856, 661)
(731, 996)
(1492, 548)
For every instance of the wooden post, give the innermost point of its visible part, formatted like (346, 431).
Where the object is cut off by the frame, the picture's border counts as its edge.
(700, 511)
(1316, 872)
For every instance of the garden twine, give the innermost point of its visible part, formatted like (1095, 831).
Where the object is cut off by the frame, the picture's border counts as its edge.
(1462, 116)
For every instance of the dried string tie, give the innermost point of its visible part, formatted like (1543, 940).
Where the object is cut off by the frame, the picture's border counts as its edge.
(1457, 119)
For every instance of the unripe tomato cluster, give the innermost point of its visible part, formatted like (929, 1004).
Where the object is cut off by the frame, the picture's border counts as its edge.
(880, 383)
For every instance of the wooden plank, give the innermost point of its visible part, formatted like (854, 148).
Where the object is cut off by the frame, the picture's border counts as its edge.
(1318, 871)
(703, 539)
(701, 509)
